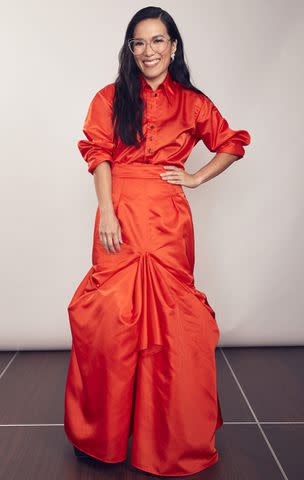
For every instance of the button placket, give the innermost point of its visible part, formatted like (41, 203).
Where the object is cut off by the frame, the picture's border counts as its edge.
(155, 98)
(149, 138)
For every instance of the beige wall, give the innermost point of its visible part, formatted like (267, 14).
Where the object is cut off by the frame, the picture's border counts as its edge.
(248, 221)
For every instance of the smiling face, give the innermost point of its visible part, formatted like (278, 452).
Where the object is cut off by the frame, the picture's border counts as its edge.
(153, 65)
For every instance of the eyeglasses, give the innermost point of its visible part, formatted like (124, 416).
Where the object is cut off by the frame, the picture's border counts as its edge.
(158, 44)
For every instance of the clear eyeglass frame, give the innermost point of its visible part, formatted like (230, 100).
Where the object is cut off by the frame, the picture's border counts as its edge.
(156, 46)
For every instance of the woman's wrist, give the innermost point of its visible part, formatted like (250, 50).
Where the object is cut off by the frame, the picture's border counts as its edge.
(106, 207)
(198, 178)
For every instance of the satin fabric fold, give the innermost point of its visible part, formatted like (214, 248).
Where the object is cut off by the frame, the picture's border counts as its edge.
(144, 338)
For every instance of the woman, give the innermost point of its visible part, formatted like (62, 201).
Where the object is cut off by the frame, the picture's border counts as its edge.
(144, 338)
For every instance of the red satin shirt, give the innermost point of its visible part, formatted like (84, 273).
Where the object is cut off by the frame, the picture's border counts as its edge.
(174, 120)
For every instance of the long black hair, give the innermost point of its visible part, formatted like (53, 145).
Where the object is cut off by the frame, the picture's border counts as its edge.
(128, 105)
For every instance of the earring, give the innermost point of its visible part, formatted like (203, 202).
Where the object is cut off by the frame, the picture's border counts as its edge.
(172, 56)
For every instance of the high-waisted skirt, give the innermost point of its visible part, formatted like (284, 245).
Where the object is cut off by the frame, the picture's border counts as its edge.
(142, 362)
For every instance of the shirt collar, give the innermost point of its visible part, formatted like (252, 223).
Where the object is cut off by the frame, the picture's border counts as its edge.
(168, 85)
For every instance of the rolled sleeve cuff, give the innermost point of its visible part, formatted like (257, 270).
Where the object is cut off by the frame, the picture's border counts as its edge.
(234, 148)
(96, 161)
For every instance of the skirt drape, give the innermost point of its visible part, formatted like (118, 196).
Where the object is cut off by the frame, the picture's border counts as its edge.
(143, 337)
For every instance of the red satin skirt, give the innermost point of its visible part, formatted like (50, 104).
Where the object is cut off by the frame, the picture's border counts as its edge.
(143, 337)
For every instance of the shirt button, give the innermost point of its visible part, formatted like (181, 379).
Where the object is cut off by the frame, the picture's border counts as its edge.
(151, 138)
(149, 150)
(155, 94)
(152, 126)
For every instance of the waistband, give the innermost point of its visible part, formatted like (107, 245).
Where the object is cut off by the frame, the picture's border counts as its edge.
(138, 170)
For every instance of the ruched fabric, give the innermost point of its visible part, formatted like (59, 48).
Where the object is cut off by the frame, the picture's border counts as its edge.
(144, 338)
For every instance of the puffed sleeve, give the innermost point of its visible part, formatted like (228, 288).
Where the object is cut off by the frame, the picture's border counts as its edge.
(99, 131)
(213, 129)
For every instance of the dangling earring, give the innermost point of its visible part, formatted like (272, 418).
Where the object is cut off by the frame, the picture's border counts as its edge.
(172, 56)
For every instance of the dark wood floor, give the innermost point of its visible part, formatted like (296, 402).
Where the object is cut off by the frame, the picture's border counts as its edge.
(261, 391)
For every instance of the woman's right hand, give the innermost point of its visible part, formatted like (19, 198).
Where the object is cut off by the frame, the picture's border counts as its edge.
(110, 231)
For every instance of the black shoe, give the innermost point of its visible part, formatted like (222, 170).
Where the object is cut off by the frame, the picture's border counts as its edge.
(80, 454)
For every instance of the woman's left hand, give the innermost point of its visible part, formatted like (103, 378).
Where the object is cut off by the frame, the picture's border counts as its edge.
(179, 176)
